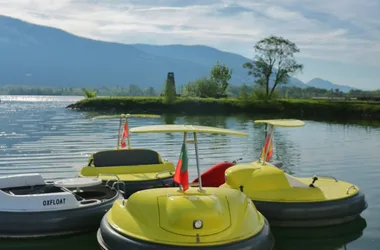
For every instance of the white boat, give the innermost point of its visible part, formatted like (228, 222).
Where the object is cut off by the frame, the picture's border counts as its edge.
(33, 207)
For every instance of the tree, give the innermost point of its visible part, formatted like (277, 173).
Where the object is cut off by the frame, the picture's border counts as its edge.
(273, 52)
(244, 93)
(150, 92)
(89, 93)
(135, 90)
(220, 74)
(202, 87)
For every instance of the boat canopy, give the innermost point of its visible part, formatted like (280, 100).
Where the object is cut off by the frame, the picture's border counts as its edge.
(125, 116)
(282, 122)
(185, 129)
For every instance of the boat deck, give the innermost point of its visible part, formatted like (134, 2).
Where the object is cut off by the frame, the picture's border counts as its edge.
(100, 192)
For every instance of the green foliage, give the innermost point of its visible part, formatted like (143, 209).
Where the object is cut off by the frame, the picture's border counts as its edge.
(302, 93)
(220, 75)
(244, 95)
(88, 93)
(131, 90)
(292, 108)
(259, 93)
(135, 90)
(202, 87)
(150, 92)
(214, 87)
(27, 90)
(273, 52)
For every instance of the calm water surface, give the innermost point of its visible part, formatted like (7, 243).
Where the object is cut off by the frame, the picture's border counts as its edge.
(37, 134)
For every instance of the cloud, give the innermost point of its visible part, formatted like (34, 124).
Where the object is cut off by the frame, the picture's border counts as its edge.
(341, 30)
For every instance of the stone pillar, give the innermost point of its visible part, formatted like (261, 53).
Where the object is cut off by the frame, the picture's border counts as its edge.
(170, 80)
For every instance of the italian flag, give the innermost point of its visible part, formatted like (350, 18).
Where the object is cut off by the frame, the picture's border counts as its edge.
(181, 175)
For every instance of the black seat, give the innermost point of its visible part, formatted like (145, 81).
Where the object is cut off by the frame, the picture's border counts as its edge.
(129, 157)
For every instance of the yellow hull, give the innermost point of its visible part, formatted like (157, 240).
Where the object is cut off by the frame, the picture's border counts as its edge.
(166, 216)
(296, 202)
(269, 183)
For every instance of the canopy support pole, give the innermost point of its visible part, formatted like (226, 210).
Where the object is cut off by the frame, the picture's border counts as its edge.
(129, 141)
(197, 159)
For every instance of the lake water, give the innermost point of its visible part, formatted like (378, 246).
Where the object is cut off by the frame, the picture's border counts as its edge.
(37, 134)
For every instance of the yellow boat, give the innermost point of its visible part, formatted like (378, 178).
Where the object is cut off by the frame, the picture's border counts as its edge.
(291, 201)
(180, 218)
(135, 168)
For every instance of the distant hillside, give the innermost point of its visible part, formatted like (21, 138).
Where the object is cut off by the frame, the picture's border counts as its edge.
(323, 84)
(207, 57)
(37, 55)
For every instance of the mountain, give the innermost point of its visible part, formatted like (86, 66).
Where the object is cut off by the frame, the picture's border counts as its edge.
(324, 84)
(207, 56)
(38, 55)
(44, 56)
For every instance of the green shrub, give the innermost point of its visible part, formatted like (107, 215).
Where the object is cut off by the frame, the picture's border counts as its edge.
(88, 93)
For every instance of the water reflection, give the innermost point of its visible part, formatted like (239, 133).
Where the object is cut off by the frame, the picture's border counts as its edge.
(208, 144)
(355, 123)
(243, 121)
(169, 118)
(45, 137)
(283, 144)
(85, 241)
(326, 238)
(212, 121)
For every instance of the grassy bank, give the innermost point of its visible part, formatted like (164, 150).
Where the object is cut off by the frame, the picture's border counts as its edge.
(302, 109)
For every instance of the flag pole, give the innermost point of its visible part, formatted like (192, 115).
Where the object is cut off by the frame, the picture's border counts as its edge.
(129, 141)
(118, 133)
(197, 158)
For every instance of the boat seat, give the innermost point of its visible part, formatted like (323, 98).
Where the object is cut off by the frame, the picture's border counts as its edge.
(21, 180)
(30, 190)
(128, 157)
(7, 191)
(295, 183)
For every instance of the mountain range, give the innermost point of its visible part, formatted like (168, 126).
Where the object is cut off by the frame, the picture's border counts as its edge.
(38, 55)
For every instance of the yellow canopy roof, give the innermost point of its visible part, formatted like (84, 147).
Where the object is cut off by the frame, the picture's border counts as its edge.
(125, 115)
(283, 122)
(185, 128)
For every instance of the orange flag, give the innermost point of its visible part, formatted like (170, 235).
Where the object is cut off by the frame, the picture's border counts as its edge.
(124, 136)
(268, 147)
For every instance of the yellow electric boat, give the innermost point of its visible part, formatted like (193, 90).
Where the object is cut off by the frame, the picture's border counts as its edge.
(290, 201)
(135, 168)
(187, 217)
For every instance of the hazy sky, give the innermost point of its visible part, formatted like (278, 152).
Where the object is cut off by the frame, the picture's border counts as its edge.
(339, 39)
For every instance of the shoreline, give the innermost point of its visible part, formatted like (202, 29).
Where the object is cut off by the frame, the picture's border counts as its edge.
(290, 108)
